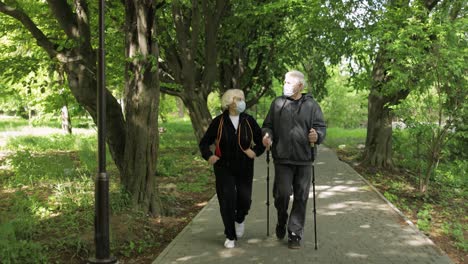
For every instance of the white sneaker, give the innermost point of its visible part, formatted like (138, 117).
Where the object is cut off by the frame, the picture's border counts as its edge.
(229, 243)
(239, 229)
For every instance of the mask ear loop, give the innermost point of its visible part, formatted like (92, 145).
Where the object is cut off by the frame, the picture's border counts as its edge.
(239, 136)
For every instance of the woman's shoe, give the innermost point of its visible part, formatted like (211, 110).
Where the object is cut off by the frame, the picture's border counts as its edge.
(240, 227)
(229, 243)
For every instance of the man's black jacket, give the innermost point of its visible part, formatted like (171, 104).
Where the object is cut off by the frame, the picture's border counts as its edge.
(288, 123)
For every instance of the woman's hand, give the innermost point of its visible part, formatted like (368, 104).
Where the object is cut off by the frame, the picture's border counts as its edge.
(213, 159)
(267, 141)
(250, 153)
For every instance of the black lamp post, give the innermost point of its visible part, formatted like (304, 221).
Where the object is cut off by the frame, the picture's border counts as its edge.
(101, 191)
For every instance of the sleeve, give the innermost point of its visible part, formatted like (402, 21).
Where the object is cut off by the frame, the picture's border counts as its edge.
(267, 126)
(208, 139)
(319, 124)
(257, 137)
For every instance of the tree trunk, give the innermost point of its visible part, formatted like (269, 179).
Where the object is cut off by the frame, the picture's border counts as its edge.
(180, 107)
(378, 151)
(66, 120)
(133, 144)
(199, 114)
(141, 106)
(83, 85)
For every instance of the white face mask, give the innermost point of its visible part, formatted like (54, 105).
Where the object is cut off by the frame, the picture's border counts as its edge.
(291, 86)
(288, 89)
(240, 106)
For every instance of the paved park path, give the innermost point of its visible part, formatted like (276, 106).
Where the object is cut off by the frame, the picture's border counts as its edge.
(354, 225)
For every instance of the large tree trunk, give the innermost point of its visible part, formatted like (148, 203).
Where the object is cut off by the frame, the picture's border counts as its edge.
(199, 114)
(378, 151)
(133, 144)
(141, 106)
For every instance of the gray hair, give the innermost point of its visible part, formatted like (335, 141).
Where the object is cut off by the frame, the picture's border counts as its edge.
(297, 75)
(228, 97)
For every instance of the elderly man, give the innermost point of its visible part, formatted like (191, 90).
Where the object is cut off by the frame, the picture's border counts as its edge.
(293, 127)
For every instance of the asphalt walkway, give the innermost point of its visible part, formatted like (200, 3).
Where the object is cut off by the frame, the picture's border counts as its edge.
(354, 225)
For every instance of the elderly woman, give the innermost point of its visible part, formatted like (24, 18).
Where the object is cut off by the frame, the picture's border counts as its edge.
(238, 140)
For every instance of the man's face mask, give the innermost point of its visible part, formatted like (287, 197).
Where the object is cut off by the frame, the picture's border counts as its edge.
(289, 87)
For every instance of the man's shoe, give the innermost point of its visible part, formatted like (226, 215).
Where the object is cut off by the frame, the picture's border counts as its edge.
(280, 231)
(240, 227)
(229, 243)
(294, 242)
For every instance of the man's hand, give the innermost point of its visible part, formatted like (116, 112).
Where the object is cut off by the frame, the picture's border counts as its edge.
(250, 153)
(267, 141)
(213, 159)
(313, 137)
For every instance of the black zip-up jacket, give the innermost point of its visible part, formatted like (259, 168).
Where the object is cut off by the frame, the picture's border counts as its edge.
(288, 123)
(229, 143)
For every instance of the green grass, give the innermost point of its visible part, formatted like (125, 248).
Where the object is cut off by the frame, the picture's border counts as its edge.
(47, 195)
(179, 133)
(349, 137)
(11, 124)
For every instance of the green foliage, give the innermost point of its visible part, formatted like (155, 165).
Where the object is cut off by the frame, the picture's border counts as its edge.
(167, 105)
(343, 107)
(457, 230)
(423, 139)
(391, 197)
(214, 103)
(424, 218)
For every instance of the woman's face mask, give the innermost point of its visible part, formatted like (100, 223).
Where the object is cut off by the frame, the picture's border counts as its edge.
(240, 106)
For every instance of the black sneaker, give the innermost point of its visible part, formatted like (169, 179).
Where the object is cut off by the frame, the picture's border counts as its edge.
(294, 242)
(280, 231)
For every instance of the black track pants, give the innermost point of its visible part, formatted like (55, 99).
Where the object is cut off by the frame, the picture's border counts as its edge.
(234, 191)
(292, 179)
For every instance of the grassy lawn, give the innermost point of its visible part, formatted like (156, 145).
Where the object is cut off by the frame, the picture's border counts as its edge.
(47, 198)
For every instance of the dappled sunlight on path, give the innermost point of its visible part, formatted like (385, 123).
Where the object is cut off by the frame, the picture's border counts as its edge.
(354, 225)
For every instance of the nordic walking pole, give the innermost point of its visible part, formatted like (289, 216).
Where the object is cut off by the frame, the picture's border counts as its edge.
(315, 211)
(312, 148)
(268, 191)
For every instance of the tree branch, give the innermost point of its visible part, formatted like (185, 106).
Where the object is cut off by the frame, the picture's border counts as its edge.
(65, 17)
(22, 17)
(83, 21)
(168, 90)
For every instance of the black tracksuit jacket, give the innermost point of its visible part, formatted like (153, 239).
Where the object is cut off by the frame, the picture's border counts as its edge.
(288, 123)
(231, 153)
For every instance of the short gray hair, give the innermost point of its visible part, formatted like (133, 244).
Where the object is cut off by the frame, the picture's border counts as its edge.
(297, 75)
(228, 97)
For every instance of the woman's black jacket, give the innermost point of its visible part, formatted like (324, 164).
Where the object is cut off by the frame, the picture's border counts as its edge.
(248, 134)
